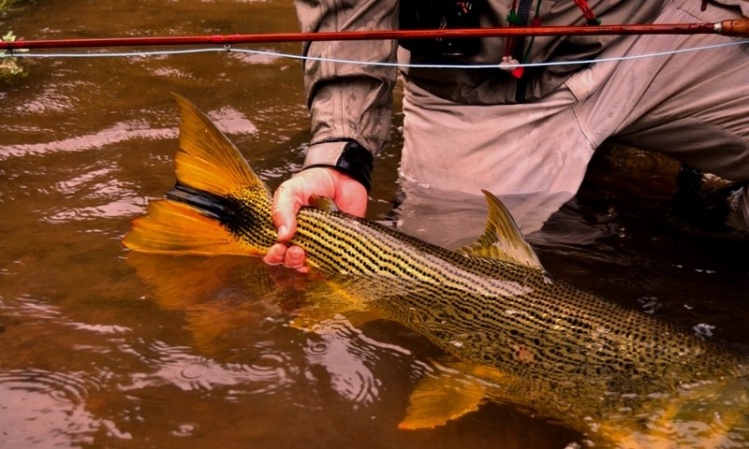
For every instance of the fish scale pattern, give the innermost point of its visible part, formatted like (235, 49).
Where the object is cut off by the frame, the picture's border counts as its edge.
(503, 314)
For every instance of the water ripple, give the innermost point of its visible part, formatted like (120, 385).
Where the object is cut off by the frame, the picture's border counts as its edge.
(43, 409)
(231, 121)
(117, 133)
(228, 120)
(268, 366)
(28, 307)
(177, 366)
(348, 360)
(70, 388)
(125, 207)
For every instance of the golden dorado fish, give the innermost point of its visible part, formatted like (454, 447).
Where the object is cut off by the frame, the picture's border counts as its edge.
(622, 377)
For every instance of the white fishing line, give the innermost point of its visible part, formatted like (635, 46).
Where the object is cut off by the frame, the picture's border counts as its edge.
(231, 49)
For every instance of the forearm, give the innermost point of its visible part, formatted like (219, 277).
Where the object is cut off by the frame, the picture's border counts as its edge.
(347, 101)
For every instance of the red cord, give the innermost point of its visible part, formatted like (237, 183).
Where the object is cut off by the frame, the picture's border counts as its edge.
(588, 13)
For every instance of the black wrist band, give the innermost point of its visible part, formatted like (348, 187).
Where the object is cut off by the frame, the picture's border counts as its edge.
(357, 162)
(354, 161)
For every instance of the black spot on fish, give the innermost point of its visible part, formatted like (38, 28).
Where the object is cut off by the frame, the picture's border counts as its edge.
(232, 213)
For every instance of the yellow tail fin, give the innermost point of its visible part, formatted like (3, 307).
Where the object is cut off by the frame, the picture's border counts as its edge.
(207, 159)
(172, 227)
(212, 175)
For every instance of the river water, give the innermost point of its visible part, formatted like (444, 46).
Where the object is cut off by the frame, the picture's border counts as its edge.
(105, 349)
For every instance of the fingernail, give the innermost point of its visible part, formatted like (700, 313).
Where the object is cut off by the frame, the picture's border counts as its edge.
(282, 230)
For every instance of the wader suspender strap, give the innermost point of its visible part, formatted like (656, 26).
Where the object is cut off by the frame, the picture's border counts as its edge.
(516, 46)
(523, 13)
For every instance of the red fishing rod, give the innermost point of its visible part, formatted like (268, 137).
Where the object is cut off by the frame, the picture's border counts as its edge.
(736, 27)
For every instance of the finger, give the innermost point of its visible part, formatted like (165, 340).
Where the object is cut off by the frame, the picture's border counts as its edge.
(276, 254)
(294, 258)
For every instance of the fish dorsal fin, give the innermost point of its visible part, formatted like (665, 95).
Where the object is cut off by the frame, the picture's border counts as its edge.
(502, 239)
(323, 203)
(207, 160)
(438, 399)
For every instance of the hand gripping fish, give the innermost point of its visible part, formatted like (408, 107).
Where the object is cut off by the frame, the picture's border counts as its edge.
(622, 377)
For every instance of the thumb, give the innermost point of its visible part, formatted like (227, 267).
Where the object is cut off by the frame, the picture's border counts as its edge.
(286, 204)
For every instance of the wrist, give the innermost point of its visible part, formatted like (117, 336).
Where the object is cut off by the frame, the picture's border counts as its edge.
(345, 156)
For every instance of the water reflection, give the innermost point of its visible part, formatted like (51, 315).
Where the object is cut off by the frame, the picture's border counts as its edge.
(238, 298)
(455, 219)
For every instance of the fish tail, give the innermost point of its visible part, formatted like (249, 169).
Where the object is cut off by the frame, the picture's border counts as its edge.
(219, 205)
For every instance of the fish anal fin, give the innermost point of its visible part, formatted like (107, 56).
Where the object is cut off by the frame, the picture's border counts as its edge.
(502, 240)
(171, 227)
(437, 400)
(207, 159)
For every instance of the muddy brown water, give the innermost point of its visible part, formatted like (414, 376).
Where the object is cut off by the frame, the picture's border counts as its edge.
(104, 349)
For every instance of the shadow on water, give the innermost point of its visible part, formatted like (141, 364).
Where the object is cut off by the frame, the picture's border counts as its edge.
(107, 349)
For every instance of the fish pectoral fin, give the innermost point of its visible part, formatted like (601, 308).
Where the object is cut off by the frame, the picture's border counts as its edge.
(502, 240)
(436, 400)
(333, 300)
(323, 203)
(313, 319)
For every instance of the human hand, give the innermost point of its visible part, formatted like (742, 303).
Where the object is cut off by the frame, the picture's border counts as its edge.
(349, 195)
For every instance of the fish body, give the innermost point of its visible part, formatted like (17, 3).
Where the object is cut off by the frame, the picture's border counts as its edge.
(515, 333)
